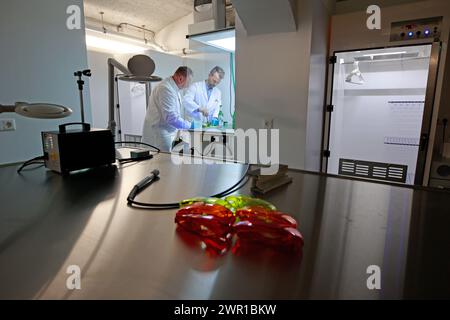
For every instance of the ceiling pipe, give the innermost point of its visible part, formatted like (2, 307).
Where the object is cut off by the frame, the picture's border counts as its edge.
(108, 28)
(143, 29)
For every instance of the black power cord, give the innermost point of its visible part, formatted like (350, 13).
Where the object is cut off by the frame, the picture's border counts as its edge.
(37, 160)
(167, 206)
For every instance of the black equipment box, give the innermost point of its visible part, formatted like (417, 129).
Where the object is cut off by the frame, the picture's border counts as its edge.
(66, 151)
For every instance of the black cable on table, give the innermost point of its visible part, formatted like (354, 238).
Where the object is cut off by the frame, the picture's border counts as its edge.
(130, 160)
(167, 206)
(31, 162)
(140, 143)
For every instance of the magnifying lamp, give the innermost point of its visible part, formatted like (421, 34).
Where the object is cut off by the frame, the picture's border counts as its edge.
(38, 110)
(140, 68)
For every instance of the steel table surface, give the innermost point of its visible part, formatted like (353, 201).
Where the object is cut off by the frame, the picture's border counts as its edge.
(49, 222)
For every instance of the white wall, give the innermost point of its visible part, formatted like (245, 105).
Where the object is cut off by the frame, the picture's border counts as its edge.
(358, 5)
(98, 84)
(272, 82)
(349, 30)
(173, 36)
(39, 56)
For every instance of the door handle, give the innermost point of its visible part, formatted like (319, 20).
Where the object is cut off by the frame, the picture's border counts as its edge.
(423, 142)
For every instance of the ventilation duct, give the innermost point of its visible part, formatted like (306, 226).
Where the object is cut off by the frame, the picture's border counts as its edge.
(203, 5)
(209, 15)
(267, 16)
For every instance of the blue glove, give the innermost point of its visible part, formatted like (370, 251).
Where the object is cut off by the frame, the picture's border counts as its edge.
(215, 122)
(192, 125)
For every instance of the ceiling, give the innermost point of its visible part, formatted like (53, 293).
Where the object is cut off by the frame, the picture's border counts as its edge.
(154, 14)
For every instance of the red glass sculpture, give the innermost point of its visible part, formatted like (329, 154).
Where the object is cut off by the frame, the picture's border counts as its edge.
(212, 246)
(274, 218)
(259, 232)
(211, 222)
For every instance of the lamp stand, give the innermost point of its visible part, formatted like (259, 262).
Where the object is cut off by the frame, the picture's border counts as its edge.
(80, 82)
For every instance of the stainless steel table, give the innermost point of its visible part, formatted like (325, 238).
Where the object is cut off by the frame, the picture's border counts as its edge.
(48, 222)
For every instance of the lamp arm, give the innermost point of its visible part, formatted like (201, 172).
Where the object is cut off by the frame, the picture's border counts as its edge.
(7, 108)
(112, 63)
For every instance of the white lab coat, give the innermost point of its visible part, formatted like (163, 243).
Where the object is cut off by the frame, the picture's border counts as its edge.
(164, 115)
(197, 97)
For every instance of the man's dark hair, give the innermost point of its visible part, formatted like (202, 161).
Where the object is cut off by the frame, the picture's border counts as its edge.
(219, 70)
(184, 71)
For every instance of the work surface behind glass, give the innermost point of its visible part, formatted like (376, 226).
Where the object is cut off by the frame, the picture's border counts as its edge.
(49, 222)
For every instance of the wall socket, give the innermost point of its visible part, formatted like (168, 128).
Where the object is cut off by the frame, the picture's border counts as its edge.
(268, 124)
(7, 125)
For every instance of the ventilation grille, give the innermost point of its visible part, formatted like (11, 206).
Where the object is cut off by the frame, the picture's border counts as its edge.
(373, 170)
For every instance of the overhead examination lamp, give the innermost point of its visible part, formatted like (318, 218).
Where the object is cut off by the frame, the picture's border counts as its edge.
(37, 110)
(140, 68)
(355, 73)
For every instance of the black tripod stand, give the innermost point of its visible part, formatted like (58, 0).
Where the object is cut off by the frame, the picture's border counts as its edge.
(80, 82)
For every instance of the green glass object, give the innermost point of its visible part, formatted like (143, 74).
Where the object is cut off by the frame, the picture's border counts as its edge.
(234, 120)
(203, 200)
(232, 203)
(220, 117)
(240, 202)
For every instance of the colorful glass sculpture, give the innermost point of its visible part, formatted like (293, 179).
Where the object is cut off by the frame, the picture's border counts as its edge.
(254, 221)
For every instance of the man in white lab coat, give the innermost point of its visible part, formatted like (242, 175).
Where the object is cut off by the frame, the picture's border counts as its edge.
(164, 113)
(204, 98)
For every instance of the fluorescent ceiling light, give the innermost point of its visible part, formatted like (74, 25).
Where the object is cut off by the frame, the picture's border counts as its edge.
(228, 44)
(384, 54)
(115, 44)
(221, 39)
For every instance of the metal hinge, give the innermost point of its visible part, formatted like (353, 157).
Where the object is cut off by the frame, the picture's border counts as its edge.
(333, 59)
(326, 153)
(330, 108)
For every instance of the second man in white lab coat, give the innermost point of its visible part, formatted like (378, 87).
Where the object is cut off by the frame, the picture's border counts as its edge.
(204, 98)
(164, 113)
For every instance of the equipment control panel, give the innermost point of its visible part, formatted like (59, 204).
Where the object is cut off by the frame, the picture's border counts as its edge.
(429, 28)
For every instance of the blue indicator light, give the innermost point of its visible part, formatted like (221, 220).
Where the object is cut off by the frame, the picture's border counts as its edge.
(427, 32)
(410, 34)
